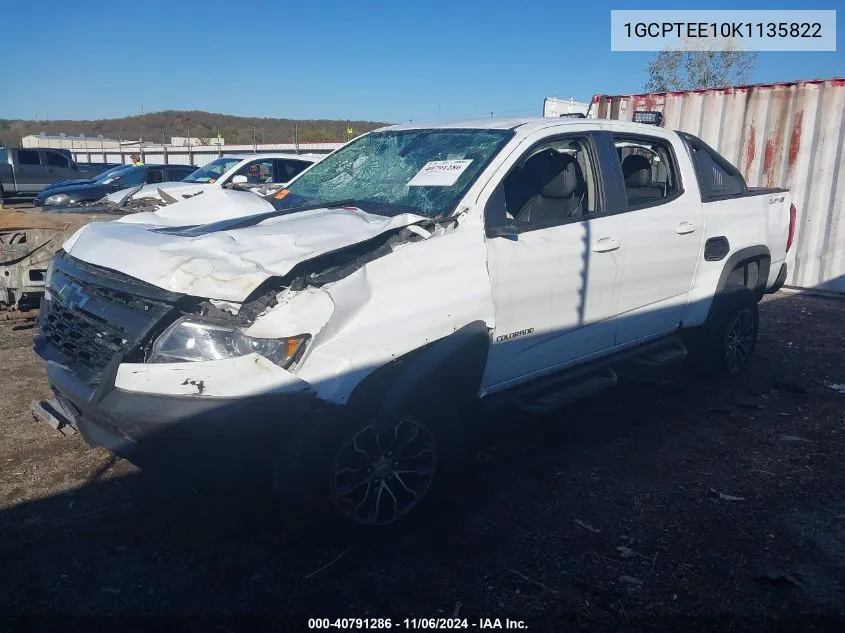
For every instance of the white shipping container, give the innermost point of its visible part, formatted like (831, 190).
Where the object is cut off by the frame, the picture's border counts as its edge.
(779, 135)
(554, 107)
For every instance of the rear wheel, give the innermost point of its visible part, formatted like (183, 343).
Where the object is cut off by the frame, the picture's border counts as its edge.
(725, 344)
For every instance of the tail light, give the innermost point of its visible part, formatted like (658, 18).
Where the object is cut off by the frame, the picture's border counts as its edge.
(791, 236)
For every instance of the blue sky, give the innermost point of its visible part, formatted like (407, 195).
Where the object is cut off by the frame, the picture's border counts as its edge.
(387, 61)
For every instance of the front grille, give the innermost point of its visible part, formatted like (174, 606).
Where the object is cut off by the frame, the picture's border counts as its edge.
(79, 337)
(89, 315)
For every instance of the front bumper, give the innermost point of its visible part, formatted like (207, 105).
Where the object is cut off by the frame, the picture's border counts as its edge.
(181, 432)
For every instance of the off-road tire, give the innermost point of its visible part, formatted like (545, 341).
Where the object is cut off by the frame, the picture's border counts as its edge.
(723, 347)
(307, 492)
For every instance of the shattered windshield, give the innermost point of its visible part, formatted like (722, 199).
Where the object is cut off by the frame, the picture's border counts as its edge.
(212, 171)
(423, 171)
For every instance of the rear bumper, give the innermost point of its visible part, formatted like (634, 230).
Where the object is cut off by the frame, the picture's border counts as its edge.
(779, 281)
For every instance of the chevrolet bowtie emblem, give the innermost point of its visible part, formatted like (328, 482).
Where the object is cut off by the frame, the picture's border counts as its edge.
(73, 295)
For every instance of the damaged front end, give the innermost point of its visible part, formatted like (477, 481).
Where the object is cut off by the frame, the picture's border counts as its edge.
(130, 361)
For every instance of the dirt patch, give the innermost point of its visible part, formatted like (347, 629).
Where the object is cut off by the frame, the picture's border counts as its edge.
(663, 505)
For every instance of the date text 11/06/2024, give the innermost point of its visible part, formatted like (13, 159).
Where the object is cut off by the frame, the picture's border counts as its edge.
(414, 624)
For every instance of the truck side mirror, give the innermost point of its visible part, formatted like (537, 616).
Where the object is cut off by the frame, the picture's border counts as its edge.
(509, 231)
(240, 179)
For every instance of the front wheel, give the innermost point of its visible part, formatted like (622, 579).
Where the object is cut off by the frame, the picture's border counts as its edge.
(375, 476)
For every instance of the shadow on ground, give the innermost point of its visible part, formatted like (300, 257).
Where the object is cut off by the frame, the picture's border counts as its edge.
(660, 501)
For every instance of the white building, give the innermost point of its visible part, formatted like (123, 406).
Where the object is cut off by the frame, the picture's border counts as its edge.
(63, 141)
(183, 141)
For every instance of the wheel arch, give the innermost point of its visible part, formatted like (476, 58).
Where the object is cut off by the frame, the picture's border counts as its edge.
(450, 367)
(748, 267)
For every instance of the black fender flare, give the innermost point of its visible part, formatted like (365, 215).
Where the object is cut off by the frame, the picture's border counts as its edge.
(450, 367)
(758, 253)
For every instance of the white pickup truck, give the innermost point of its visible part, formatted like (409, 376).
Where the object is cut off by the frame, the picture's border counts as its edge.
(347, 331)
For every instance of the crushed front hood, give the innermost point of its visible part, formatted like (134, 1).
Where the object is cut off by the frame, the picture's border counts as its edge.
(212, 205)
(151, 191)
(226, 264)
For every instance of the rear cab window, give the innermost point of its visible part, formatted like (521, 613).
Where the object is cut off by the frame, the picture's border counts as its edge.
(28, 157)
(54, 159)
(154, 176)
(649, 170)
(717, 178)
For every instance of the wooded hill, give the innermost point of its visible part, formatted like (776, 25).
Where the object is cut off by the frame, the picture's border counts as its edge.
(155, 126)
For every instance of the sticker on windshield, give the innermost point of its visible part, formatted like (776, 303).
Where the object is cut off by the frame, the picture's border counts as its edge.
(439, 173)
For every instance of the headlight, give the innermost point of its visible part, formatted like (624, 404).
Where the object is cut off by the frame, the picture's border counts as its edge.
(59, 198)
(191, 340)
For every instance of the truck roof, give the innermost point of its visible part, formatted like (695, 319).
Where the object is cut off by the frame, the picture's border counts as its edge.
(525, 125)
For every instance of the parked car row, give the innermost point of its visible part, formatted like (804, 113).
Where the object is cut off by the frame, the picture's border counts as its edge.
(56, 180)
(110, 181)
(346, 330)
(243, 170)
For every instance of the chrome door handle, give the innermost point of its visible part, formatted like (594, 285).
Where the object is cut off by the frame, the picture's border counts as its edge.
(605, 244)
(684, 228)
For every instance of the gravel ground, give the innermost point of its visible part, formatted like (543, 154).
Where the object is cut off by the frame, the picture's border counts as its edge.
(662, 505)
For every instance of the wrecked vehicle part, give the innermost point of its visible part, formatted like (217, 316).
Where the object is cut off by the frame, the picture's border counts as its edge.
(248, 375)
(166, 197)
(403, 319)
(130, 204)
(212, 206)
(27, 242)
(230, 264)
(260, 190)
(261, 262)
(301, 311)
(190, 339)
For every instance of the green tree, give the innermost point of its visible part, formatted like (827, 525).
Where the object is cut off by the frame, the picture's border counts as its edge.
(697, 65)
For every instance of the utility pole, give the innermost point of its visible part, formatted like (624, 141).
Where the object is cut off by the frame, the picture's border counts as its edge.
(296, 137)
(141, 127)
(254, 148)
